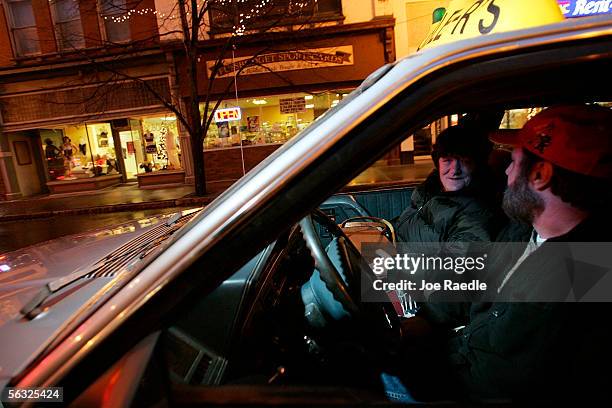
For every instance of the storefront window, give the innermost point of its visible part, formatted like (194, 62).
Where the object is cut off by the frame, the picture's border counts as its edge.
(79, 151)
(103, 157)
(267, 120)
(87, 150)
(131, 148)
(516, 118)
(161, 145)
(54, 156)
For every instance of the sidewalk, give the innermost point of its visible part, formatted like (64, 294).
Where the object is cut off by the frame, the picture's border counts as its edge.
(128, 197)
(125, 197)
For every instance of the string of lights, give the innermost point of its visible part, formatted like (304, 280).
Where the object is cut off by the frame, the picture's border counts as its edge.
(129, 13)
(239, 29)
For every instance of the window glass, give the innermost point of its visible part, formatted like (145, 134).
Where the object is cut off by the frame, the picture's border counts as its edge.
(411, 162)
(269, 119)
(241, 15)
(102, 150)
(67, 10)
(26, 41)
(22, 13)
(113, 7)
(160, 144)
(407, 163)
(68, 24)
(116, 22)
(88, 150)
(329, 6)
(54, 157)
(516, 118)
(79, 151)
(70, 35)
(23, 27)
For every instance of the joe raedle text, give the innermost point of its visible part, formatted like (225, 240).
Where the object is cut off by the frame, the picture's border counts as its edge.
(423, 285)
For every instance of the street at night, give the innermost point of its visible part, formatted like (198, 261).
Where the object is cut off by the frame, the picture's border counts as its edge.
(19, 234)
(305, 203)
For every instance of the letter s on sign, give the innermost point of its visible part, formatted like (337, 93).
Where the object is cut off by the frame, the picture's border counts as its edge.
(495, 10)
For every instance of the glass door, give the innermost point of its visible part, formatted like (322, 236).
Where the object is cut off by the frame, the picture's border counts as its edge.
(129, 145)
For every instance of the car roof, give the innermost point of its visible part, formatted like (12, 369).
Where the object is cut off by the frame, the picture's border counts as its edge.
(302, 173)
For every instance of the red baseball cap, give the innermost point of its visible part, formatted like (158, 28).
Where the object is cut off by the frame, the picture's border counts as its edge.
(577, 138)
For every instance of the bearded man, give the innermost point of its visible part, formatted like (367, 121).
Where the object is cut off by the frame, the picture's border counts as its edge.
(535, 340)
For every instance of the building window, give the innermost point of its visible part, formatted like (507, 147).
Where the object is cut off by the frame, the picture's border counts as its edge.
(270, 119)
(160, 145)
(329, 6)
(116, 20)
(68, 26)
(23, 26)
(242, 15)
(79, 151)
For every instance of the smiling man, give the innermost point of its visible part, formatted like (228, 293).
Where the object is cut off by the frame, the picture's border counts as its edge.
(455, 172)
(455, 203)
(535, 341)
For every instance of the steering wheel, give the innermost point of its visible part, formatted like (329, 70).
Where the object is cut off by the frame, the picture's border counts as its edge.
(341, 268)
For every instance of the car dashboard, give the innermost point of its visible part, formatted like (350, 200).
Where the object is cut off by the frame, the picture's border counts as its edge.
(249, 327)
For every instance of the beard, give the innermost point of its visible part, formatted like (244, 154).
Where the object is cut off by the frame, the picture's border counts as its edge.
(520, 203)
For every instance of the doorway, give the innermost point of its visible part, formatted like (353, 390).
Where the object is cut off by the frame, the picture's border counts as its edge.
(128, 143)
(25, 162)
(128, 153)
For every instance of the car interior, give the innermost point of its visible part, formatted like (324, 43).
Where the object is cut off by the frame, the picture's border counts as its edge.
(286, 326)
(289, 318)
(277, 320)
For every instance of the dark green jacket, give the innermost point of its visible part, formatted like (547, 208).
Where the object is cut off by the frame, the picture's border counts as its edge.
(438, 216)
(517, 350)
(449, 220)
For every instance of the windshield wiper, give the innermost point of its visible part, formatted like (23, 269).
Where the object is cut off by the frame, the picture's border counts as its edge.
(31, 309)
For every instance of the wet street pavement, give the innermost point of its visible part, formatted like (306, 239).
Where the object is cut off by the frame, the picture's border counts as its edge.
(122, 195)
(19, 234)
(19, 228)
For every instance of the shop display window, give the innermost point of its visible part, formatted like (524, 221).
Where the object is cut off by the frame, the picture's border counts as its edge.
(53, 154)
(88, 150)
(267, 119)
(131, 147)
(102, 159)
(160, 145)
(79, 151)
(516, 118)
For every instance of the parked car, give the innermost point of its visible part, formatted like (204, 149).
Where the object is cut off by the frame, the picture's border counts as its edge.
(215, 312)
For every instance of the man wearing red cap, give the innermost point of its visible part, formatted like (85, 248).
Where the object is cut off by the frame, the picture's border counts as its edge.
(530, 343)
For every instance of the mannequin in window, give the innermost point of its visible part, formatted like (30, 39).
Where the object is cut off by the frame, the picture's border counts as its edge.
(68, 149)
(173, 159)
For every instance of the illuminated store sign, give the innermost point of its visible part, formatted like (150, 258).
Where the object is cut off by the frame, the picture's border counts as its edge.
(582, 8)
(225, 115)
(283, 61)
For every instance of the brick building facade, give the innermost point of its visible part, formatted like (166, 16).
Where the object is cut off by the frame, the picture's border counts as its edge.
(67, 69)
(76, 80)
